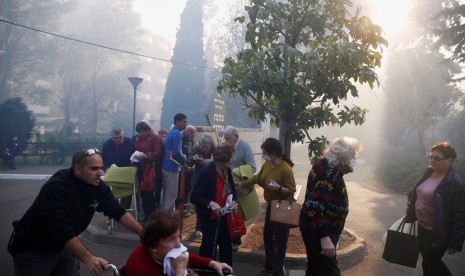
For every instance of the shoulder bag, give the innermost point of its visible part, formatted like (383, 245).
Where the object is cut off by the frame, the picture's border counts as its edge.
(285, 212)
(401, 246)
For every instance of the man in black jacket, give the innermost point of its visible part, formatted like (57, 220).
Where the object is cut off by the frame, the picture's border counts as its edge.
(46, 239)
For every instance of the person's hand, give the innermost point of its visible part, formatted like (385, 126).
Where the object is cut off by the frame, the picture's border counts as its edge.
(452, 250)
(216, 208)
(180, 264)
(272, 185)
(217, 266)
(327, 247)
(142, 156)
(96, 265)
(233, 205)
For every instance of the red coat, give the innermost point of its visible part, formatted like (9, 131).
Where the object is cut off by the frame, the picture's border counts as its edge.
(141, 263)
(152, 145)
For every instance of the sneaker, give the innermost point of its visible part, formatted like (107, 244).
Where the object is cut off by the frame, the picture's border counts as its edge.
(198, 234)
(265, 271)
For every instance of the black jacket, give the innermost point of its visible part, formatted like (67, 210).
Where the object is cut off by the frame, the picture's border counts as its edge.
(63, 209)
(449, 205)
(204, 190)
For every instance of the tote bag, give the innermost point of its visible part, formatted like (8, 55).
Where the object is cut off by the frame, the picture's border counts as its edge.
(285, 213)
(401, 246)
(236, 224)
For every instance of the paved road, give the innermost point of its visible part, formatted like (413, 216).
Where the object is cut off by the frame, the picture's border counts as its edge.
(371, 212)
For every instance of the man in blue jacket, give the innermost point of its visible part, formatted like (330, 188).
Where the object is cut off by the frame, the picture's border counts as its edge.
(172, 161)
(118, 151)
(46, 239)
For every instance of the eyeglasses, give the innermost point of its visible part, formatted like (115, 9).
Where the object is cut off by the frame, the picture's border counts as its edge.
(88, 152)
(435, 158)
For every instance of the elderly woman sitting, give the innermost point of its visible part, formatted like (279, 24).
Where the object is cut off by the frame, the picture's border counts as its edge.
(160, 238)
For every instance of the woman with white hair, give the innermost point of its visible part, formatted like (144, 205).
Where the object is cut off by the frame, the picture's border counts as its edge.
(326, 206)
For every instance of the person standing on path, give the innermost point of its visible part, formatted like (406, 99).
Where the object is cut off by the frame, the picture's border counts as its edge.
(172, 159)
(326, 206)
(151, 146)
(45, 241)
(243, 155)
(437, 201)
(117, 151)
(277, 180)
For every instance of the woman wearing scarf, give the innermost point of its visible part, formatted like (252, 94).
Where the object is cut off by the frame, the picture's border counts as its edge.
(212, 192)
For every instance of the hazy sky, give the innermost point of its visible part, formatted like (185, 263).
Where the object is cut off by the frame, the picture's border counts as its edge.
(160, 16)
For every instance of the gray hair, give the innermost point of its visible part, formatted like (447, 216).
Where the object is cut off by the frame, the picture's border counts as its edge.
(342, 149)
(190, 127)
(231, 129)
(206, 139)
(117, 131)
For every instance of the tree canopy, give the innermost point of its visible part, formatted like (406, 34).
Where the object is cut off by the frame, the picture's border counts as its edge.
(303, 60)
(15, 119)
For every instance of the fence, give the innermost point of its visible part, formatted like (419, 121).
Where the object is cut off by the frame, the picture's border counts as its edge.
(51, 153)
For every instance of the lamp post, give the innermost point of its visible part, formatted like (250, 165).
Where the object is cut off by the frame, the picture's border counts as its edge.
(135, 82)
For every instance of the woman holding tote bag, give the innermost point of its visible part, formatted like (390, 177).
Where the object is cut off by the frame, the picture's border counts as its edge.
(277, 180)
(326, 206)
(437, 202)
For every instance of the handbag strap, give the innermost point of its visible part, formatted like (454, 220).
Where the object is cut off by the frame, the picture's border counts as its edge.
(412, 229)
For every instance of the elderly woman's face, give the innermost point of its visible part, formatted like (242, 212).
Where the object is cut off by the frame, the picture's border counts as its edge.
(205, 148)
(225, 165)
(345, 168)
(167, 244)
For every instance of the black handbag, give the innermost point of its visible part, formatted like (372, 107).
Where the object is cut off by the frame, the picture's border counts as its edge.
(402, 248)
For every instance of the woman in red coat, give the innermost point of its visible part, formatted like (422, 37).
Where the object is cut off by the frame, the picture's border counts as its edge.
(151, 145)
(159, 237)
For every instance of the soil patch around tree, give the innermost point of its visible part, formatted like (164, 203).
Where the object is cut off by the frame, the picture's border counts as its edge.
(254, 239)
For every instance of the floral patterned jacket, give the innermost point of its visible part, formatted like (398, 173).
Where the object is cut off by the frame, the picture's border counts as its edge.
(326, 201)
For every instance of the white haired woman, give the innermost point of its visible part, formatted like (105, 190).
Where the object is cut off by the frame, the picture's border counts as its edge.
(326, 206)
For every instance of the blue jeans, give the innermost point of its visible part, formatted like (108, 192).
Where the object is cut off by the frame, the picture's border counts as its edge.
(275, 239)
(30, 262)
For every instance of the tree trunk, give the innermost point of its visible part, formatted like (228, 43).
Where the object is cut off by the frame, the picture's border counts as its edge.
(285, 137)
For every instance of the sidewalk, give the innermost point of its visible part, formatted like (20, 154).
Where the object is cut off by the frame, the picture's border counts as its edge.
(122, 242)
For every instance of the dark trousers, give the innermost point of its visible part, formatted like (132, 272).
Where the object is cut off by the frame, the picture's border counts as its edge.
(275, 239)
(211, 232)
(432, 263)
(148, 203)
(32, 263)
(317, 264)
(148, 198)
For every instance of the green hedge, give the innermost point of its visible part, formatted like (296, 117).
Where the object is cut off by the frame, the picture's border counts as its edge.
(401, 174)
(55, 149)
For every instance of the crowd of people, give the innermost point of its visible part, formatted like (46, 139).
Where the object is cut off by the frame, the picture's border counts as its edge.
(46, 241)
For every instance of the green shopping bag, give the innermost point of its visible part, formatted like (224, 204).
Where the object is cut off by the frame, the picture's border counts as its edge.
(247, 198)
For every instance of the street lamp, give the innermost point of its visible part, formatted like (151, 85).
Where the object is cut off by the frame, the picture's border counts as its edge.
(135, 82)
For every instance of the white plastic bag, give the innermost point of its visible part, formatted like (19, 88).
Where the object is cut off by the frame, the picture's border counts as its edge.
(406, 228)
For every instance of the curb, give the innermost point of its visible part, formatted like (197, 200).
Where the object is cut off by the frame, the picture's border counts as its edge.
(347, 257)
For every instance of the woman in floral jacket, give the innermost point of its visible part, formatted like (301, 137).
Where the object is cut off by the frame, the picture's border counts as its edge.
(326, 206)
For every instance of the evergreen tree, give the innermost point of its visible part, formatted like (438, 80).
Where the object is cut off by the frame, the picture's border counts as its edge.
(15, 119)
(185, 86)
